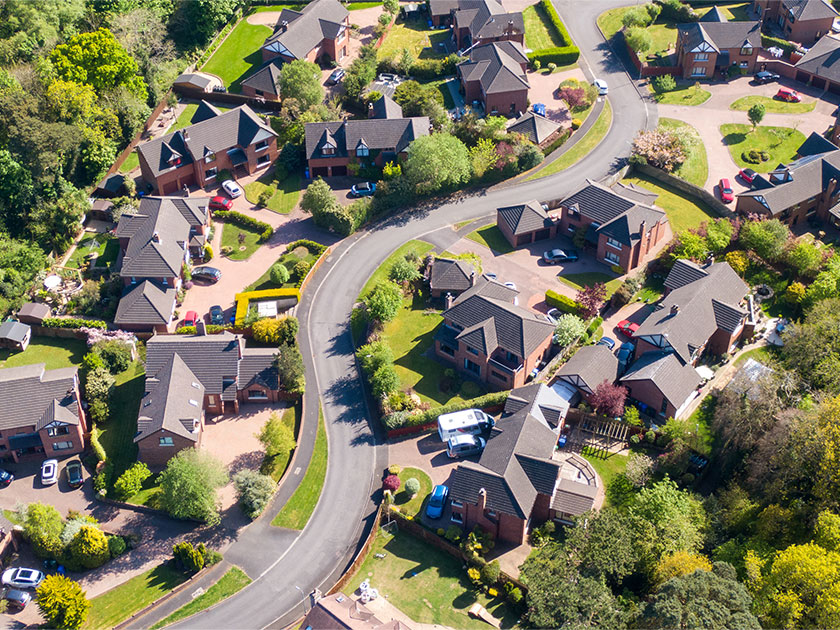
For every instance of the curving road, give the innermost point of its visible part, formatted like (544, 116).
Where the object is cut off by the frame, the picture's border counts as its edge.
(280, 561)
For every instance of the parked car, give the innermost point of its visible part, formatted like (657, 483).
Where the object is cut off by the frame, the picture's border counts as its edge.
(217, 315)
(553, 315)
(492, 276)
(625, 352)
(210, 275)
(747, 174)
(22, 578)
(220, 203)
(75, 476)
(607, 341)
(510, 285)
(17, 600)
(627, 327)
(555, 256)
(6, 478)
(765, 77)
(49, 472)
(726, 193)
(336, 76)
(190, 318)
(365, 189)
(232, 188)
(602, 87)
(437, 501)
(464, 445)
(786, 94)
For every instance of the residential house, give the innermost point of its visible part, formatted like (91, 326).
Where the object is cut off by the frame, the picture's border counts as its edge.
(340, 612)
(15, 335)
(620, 224)
(820, 66)
(229, 372)
(538, 129)
(264, 82)
(526, 223)
(449, 276)
(516, 484)
(319, 33)
(476, 22)
(706, 46)
(487, 336)
(332, 146)
(664, 384)
(494, 76)
(34, 313)
(588, 368)
(541, 402)
(238, 141)
(802, 21)
(40, 413)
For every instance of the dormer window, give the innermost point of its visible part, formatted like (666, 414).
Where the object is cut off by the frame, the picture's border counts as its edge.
(327, 150)
(210, 157)
(174, 161)
(362, 151)
(747, 50)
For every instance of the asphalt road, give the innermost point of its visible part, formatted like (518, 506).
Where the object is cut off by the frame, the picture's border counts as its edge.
(285, 561)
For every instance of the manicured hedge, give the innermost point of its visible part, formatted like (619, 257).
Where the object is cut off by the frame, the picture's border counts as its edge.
(242, 300)
(243, 220)
(565, 304)
(72, 322)
(313, 246)
(557, 143)
(767, 41)
(561, 55)
(211, 329)
(401, 419)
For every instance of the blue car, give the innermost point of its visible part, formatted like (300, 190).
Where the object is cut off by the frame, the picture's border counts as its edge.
(625, 352)
(607, 341)
(365, 189)
(437, 501)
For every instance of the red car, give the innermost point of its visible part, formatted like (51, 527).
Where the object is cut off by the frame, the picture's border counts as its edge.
(190, 318)
(627, 327)
(747, 174)
(726, 191)
(786, 94)
(221, 203)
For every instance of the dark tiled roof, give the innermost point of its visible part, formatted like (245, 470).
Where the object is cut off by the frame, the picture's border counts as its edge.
(386, 108)
(467, 480)
(810, 9)
(814, 145)
(35, 310)
(625, 228)
(597, 202)
(574, 498)
(146, 303)
(198, 80)
(205, 111)
(485, 19)
(714, 15)
(265, 79)
(589, 367)
(727, 316)
(31, 395)
(524, 218)
(14, 331)
(638, 194)
(796, 182)
(450, 275)
(534, 127)
(720, 35)
(542, 402)
(489, 288)
(674, 379)
(684, 272)
(157, 237)
(497, 66)
(173, 401)
(305, 30)
(542, 473)
(392, 134)
(257, 368)
(823, 59)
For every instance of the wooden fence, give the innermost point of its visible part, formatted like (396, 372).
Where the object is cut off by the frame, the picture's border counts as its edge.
(360, 557)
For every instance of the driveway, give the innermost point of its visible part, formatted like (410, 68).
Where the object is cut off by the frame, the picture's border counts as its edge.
(427, 453)
(544, 88)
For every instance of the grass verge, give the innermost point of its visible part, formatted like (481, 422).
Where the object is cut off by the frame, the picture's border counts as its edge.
(277, 465)
(588, 278)
(241, 250)
(418, 247)
(772, 105)
(491, 236)
(780, 143)
(229, 584)
(683, 213)
(408, 505)
(286, 193)
(691, 96)
(695, 169)
(117, 437)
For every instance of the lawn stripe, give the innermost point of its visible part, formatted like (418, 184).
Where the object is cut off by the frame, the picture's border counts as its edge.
(229, 584)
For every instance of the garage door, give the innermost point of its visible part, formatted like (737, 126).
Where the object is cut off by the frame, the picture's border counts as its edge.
(339, 170)
(834, 88)
(170, 188)
(803, 76)
(542, 235)
(319, 171)
(819, 83)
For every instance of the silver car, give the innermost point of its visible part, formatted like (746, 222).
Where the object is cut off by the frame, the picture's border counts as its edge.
(22, 578)
(49, 472)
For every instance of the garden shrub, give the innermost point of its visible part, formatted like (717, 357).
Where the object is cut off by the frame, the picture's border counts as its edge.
(650, 436)
(89, 547)
(96, 445)
(562, 302)
(73, 323)
(279, 274)
(635, 439)
(187, 557)
(768, 41)
(677, 11)
(384, 381)
(254, 491)
(300, 270)
(116, 546)
(470, 389)
(663, 83)
(395, 469)
(115, 354)
(454, 533)
(392, 483)
(403, 419)
(289, 363)
(754, 156)
(490, 572)
(210, 329)
(412, 486)
(576, 123)
(243, 220)
(131, 481)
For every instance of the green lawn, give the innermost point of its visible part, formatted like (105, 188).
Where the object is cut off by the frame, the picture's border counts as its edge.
(116, 605)
(664, 35)
(539, 32)
(286, 194)
(54, 351)
(652, 289)
(683, 213)
(426, 583)
(239, 55)
(105, 245)
(780, 142)
(131, 162)
(690, 95)
(412, 506)
(734, 11)
(295, 514)
(243, 250)
(774, 106)
(276, 466)
(421, 41)
(185, 116)
(702, 420)
(440, 84)
(149, 495)
(355, 6)
(230, 583)
(765, 354)
(586, 144)
(418, 247)
(695, 169)
(492, 237)
(608, 467)
(118, 432)
(289, 259)
(588, 278)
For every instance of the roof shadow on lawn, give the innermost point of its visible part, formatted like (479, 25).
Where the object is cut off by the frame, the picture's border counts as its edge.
(255, 59)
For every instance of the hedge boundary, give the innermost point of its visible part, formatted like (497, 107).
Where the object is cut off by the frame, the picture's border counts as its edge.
(399, 420)
(243, 299)
(561, 55)
(243, 220)
(562, 302)
(73, 322)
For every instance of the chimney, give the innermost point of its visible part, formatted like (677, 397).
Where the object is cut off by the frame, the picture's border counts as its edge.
(200, 328)
(472, 278)
(675, 308)
(642, 230)
(156, 237)
(447, 300)
(482, 499)
(371, 113)
(186, 134)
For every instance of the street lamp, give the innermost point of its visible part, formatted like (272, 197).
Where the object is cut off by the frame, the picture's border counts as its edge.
(302, 598)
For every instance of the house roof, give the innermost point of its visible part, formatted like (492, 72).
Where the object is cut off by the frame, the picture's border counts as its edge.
(386, 108)
(449, 274)
(146, 303)
(631, 191)
(157, 236)
(810, 9)
(31, 395)
(684, 272)
(35, 311)
(200, 80)
(534, 127)
(597, 202)
(173, 402)
(589, 367)
(14, 331)
(541, 401)
(205, 111)
(574, 497)
(296, 33)
(257, 368)
(822, 59)
(720, 36)
(265, 79)
(674, 379)
(704, 305)
(814, 145)
(497, 67)
(393, 134)
(339, 612)
(525, 217)
(626, 227)
(237, 128)
(713, 15)
(485, 19)
(111, 184)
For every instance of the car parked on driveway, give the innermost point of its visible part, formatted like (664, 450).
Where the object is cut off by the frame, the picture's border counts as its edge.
(553, 315)
(6, 478)
(557, 256)
(726, 193)
(75, 477)
(190, 318)
(22, 578)
(49, 472)
(464, 445)
(765, 77)
(17, 600)
(602, 87)
(786, 94)
(747, 174)
(220, 203)
(627, 327)
(437, 501)
(217, 315)
(607, 341)
(232, 188)
(336, 76)
(209, 275)
(625, 353)
(365, 189)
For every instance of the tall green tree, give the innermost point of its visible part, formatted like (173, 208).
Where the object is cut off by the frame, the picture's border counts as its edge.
(437, 162)
(766, 238)
(756, 114)
(42, 526)
(812, 347)
(603, 542)
(62, 602)
(188, 486)
(384, 301)
(301, 80)
(195, 22)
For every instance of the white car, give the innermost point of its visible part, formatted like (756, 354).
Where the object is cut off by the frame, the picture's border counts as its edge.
(22, 578)
(510, 285)
(49, 472)
(602, 87)
(232, 188)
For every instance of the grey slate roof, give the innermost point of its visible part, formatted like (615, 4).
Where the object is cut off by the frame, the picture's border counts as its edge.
(146, 303)
(157, 234)
(205, 111)
(574, 498)
(822, 59)
(713, 15)
(489, 288)
(524, 218)
(626, 227)
(34, 310)
(386, 108)
(449, 274)
(31, 395)
(674, 379)
(534, 127)
(810, 9)
(497, 67)
(306, 29)
(14, 331)
(200, 81)
(541, 401)
(636, 193)
(684, 272)
(814, 145)
(390, 134)
(265, 79)
(485, 19)
(720, 35)
(257, 368)
(597, 202)
(592, 365)
(239, 127)
(173, 401)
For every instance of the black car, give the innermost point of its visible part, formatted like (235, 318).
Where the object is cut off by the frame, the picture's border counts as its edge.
(765, 77)
(336, 76)
(74, 473)
(556, 256)
(6, 478)
(210, 275)
(217, 315)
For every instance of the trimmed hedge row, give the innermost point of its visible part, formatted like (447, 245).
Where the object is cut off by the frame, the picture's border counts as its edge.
(565, 304)
(73, 322)
(313, 246)
(561, 55)
(400, 419)
(768, 41)
(243, 299)
(243, 220)
(212, 329)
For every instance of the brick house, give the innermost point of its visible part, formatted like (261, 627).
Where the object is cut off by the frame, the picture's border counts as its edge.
(332, 146)
(263, 83)
(820, 66)
(526, 223)
(238, 141)
(589, 367)
(488, 337)
(801, 21)
(662, 383)
(621, 225)
(495, 76)
(516, 485)
(475, 22)
(706, 46)
(319, 33)
(41, 413)
(448, 275)
(229, 372)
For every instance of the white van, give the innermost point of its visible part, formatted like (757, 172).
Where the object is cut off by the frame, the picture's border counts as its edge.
(465, 422)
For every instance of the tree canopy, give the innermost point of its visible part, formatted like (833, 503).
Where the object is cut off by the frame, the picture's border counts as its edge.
(301, 80)
(188, 486)
(437, 162)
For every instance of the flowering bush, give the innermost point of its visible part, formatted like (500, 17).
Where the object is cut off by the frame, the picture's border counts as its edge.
(661, 149)
(392, 483)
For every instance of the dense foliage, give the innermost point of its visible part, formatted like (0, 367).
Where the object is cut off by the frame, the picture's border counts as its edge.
(188, 486)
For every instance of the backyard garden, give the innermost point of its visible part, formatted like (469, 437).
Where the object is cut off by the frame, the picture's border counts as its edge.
(100, 250)
(239, 55)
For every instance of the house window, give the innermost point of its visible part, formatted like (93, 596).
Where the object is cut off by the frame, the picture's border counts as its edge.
(362, 152)
(573, 212)
(56, 431)
(498, 377)
(166, 441)
(744, 64)
(469, 366)
(664, 408)
(472, 350)
(211, 400)
(456, 517)
(747, 51)
(612, 257)
(164, 281)
(62, 446)
(572, 229)
(511, 357)
(613, 243)
(210, 157)
(261, 145)
(264, 159)
(259, 92)
(327, 150)
(133, 280)
(257, 394)
(701, 56)
(447, 350)
(698, 71)
(491, 514)
(457, 504)
(210, 173)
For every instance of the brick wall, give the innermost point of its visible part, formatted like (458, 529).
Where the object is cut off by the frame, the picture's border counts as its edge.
(152, 453)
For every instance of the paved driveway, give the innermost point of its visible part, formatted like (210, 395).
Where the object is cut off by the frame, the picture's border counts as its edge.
(544, 90)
